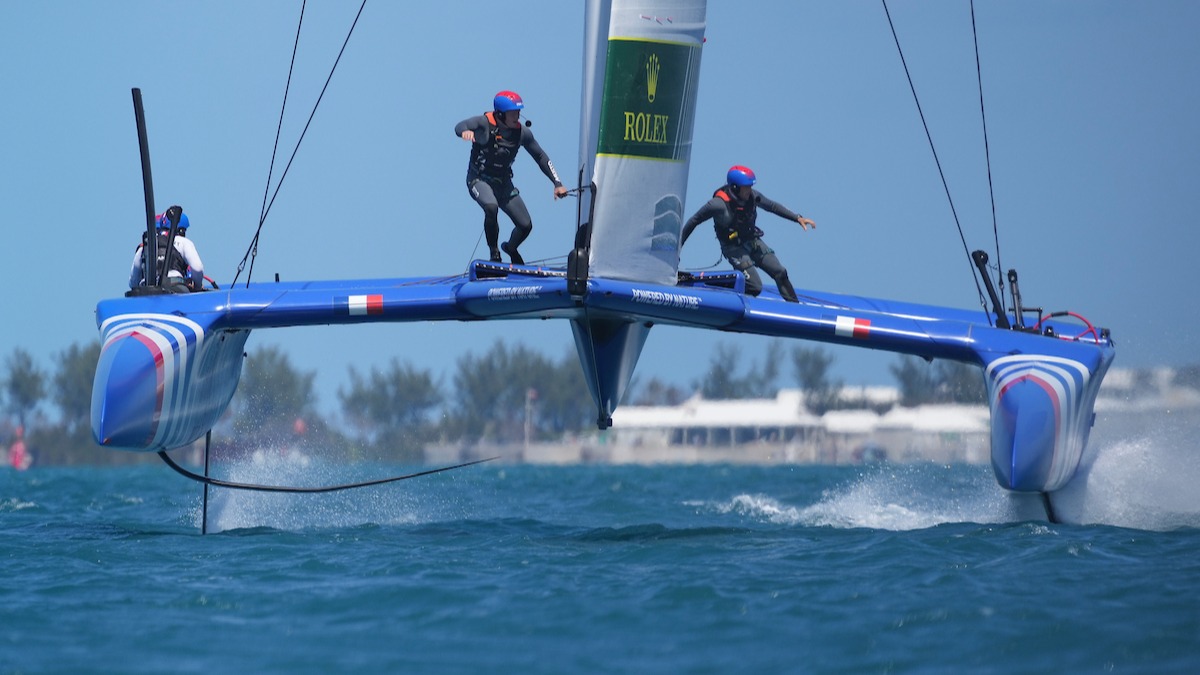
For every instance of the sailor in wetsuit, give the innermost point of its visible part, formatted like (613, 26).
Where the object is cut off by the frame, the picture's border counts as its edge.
(185, 272)
(733, 210)
(495, 138)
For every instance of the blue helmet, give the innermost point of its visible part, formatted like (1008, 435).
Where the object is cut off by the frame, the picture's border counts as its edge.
(507, 101)
(740, 175)
(164, 223)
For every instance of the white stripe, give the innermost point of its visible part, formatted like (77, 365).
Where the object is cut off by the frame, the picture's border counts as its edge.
(845, 326)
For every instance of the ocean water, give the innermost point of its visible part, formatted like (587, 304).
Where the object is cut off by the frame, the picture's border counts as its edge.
(584, 569)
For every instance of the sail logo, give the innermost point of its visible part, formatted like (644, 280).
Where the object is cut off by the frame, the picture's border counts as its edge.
(645, 128)
(652, 68)
(649, 99)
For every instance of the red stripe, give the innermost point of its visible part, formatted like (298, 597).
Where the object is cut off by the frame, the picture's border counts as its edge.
(862, 328)
(159, 386)
(374, 304)
(1050, 393)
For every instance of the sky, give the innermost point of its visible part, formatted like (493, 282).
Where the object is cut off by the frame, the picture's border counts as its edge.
(1093, 136)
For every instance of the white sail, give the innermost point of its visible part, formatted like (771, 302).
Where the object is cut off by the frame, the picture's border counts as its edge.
(641, 70)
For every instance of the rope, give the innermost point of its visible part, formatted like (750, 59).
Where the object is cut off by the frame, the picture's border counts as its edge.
(720, 259)
(573, 192)
(206, 480)
(942, 174)
(252, 251)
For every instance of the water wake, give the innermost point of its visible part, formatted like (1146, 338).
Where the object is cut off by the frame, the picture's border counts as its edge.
(240, 509)
(897, 497)
(1143, 474)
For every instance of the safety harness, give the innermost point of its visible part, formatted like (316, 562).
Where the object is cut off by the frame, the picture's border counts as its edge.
(166, 262)
(493, 160)
(742, 227)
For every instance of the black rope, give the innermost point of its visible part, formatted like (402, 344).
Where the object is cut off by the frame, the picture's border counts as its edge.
(252, 251)
(929, 137)
(207, 480)
(573, 192)
(720, 259)
(988, 157)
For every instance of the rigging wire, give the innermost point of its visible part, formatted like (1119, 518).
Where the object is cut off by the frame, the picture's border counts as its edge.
(942, 174)
(720, 259)
(252, 251)
(988, 160)
(573, 192)
(275, 149)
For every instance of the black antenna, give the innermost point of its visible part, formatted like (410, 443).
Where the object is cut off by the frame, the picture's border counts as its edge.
(150, 248)
(981, 261)
(172, 216)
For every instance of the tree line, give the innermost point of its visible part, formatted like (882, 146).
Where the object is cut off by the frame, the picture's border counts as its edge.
(391, 412)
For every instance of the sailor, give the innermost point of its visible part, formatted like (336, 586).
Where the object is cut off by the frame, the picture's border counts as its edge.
(495, 138)
(184, 269)
(733, 210)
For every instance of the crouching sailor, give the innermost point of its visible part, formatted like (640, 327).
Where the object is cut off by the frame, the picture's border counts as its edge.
(733, 210)
(179, 265)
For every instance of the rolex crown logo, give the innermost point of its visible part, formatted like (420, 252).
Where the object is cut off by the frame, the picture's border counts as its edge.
(652, 68)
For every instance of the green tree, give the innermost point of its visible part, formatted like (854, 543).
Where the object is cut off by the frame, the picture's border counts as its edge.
(563, 404)
(760, 382)
(916, 380)
(659, 393)
(271, 397)
(494, 392)
(393, 408)
(72, 386)
(722, 381)
(811, 367)
(24, 385)
(960, 383)
(942, 382)
(69, 442)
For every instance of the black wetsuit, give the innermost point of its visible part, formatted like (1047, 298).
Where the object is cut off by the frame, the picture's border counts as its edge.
(489, 175)
(741, 239)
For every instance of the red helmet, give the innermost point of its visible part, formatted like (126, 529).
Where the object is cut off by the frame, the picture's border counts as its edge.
(507, 101)
(164, 223)
(740, 175)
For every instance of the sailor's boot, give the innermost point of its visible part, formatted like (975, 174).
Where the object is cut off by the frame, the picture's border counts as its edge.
(512, 253)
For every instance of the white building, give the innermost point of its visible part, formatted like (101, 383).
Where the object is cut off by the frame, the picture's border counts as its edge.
(782, 429)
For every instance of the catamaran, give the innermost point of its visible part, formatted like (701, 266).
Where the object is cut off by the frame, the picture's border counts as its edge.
(170, 363)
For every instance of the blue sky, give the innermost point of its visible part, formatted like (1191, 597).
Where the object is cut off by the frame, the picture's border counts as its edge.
(1091, 112)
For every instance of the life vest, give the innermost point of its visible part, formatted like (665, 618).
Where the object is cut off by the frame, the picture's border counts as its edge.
(740, 227)
(494, 158)
(177, 261)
